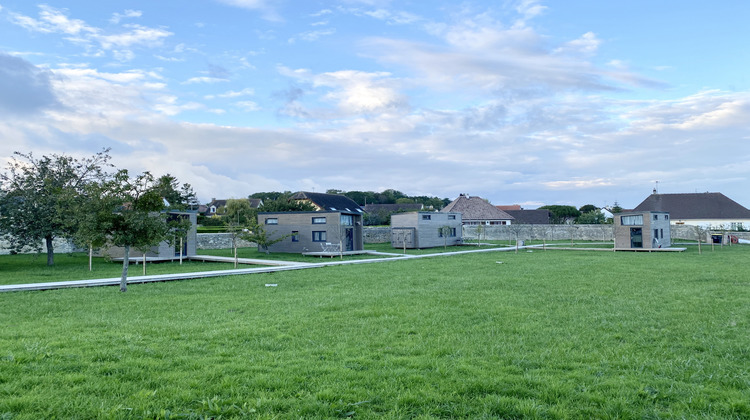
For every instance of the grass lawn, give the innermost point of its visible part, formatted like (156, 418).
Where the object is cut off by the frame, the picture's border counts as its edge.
(549, 335)
(28, 268)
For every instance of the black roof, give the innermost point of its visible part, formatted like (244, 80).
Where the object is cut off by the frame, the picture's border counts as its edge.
(394, 208)
(695, 206)
(330, 202)
(530, 217)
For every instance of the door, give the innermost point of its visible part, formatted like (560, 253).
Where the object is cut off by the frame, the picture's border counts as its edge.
(636, 237)
(349, 239)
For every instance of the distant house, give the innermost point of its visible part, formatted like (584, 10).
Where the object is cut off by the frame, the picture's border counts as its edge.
(510, 207)
(642, 230)
(531, 217)
(477, 211)
(425, 229)
(708, 210)
(336, 225)
(212, 208)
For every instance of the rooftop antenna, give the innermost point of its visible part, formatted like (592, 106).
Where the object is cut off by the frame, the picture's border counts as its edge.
(656, 188)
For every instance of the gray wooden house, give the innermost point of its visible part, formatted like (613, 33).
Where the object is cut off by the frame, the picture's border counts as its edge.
(336, 226)
(642, 230)
(314, 231)
(425, 229)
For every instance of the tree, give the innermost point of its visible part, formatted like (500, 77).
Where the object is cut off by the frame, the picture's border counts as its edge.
(257, 233)
(239, 217)
(587, 208)
(41, 197)
(179, 197)
(286, 204)
(593, 217)
(562, 214)
(127, 212)
(445, 231)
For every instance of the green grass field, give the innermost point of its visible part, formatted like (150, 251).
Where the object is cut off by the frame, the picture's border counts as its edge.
(549, 335)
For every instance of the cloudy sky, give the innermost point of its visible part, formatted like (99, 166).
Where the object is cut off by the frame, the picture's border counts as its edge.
(521, 102)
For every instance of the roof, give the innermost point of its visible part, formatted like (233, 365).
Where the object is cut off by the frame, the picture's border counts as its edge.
(475, 208)
(531, 217)
(329, 202)
(706, 205)
(393, 208)
(510, 207)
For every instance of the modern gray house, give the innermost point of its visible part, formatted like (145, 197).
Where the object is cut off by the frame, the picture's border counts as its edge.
(336, 226)
(642, 230)
(313, 231)
(425, 229)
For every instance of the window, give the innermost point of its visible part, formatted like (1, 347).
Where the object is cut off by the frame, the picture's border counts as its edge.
(318, 220)
(666, 217)
(656, 233)
(634, 220)
(319, 236)
(272, 221)
(426, 217)
(295, 236)
(347, 220)
(451, 233)
(451, 217)
(656, 217)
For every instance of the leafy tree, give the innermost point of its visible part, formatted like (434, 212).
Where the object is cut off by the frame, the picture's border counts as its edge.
(127, 212)
(593, 217)
(258, 234)
(587, 208)
(562, 214)
(40, 197)
(179, 197)
(239, 218)
(285, 204)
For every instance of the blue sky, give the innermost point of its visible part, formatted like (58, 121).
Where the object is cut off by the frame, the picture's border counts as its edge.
(520, 102)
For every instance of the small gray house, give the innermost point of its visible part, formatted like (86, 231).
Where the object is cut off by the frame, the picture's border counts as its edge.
(314, 231)
(642, 230)
(335, 226)
(425, 229)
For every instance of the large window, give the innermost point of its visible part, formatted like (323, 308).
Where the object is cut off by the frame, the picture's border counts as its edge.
(295, 236)
(272, 221)
(632, 220)
(347, 220)
(319, 220)
(426, 217)
(451, 234)
(319, 236)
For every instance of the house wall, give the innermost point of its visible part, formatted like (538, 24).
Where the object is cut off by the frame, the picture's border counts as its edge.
(301, 222)
(654, 224)
(426, 227)
(165, 249)
(717, 224)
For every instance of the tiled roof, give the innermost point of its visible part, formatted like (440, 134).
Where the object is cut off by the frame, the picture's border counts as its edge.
(330, 202)
(475, 208)
(695, 206)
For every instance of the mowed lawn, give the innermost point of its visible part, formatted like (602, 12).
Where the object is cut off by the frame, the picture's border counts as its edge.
(552, 335)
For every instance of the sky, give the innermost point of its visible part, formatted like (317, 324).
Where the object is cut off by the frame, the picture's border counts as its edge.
(520, 102)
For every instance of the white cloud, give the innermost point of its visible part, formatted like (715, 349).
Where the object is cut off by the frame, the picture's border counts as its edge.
(204, 79)
(233, 94)
(117, 17)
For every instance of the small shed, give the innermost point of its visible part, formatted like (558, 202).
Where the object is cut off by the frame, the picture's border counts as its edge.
(642, 230)
(423, 229)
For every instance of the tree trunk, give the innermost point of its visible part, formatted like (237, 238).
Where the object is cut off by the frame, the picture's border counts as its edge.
(125, 263)
(50, 250)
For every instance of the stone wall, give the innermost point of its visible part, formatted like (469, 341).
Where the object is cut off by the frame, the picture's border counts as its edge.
(220, 241)
(61, 246)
